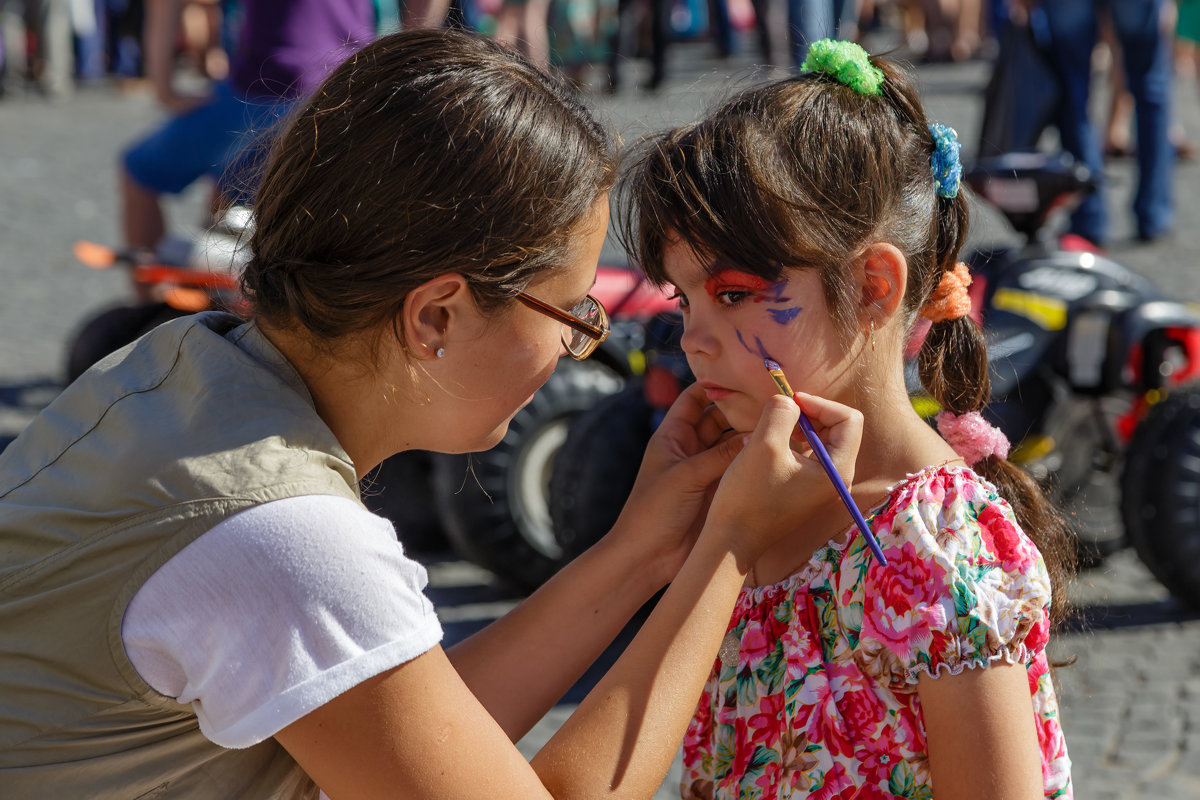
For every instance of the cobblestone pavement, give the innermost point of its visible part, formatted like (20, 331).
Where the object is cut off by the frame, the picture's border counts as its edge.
(1131, 702)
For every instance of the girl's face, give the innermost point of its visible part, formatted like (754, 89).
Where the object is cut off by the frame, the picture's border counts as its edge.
(513, 353)
(734, 320)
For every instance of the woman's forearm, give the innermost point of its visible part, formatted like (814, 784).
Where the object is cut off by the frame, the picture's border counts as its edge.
(523, 663)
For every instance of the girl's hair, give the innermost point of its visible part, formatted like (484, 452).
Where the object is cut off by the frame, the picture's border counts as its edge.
(805, 173)
(426, 153)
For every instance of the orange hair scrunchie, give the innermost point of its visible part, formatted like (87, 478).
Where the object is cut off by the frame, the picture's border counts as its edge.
(950, 299)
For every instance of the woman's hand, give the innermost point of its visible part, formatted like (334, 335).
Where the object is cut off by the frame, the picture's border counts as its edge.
(776, 481)
(688, 452)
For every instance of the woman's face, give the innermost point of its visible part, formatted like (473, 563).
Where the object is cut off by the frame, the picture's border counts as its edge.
(513, 352)
(734, 320)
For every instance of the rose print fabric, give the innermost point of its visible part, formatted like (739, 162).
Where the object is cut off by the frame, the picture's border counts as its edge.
(822, 702)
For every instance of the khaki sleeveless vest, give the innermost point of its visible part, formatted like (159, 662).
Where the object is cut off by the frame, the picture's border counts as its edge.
(198, 420)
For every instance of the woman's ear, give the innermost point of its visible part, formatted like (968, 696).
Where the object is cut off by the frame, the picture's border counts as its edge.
(884, 281)
(431, 310)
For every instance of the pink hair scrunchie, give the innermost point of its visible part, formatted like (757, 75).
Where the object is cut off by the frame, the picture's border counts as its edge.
(972, 436)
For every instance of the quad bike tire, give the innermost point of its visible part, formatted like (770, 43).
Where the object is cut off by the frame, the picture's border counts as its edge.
(1161, 493)
(399, 490)
(493, 504)
(110, 330)
(588, 491)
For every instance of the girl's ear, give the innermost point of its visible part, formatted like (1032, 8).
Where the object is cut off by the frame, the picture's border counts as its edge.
(884, 281)
(431, 310)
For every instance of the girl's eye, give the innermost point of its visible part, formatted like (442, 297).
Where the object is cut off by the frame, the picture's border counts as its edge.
(681, 297)
(731, 297)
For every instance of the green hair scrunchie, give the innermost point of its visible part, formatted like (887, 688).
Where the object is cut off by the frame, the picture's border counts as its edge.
(847, 63)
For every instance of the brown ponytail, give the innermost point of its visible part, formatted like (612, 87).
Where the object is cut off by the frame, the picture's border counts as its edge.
(954, 370)
(953, 367)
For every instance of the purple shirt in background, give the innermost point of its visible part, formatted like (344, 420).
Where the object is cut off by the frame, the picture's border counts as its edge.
(285, 48)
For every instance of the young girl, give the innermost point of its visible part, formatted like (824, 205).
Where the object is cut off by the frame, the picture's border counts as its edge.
(812, 222)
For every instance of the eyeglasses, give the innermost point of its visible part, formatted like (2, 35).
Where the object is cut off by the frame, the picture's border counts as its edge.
(586, 323)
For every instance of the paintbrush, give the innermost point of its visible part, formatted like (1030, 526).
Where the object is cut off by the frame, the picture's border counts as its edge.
(822, 455)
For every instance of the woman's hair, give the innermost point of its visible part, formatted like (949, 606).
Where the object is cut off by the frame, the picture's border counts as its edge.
(426, 153)
(805, 173)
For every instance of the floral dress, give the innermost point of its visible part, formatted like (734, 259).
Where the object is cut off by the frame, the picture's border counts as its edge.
(822, 702)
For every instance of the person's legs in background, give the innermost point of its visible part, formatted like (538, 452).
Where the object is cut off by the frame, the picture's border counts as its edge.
(1146, 48)
(812, 20)
(1117, 133)
(425, 13)
(912, 21)
(463, 14)
(56, 51)
(660, 38)
(1072, 28)
(126, 19)
(623, 42)
(720, 28)
(12, 32)
(967, 35)
(766, 28)
(90, 35)
(525, 24)
(846, 14)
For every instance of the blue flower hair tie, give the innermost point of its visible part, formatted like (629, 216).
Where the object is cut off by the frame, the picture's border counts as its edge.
(947, 169)
(845, 62)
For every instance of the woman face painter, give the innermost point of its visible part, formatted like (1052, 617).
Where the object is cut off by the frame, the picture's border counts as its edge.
(194, 601)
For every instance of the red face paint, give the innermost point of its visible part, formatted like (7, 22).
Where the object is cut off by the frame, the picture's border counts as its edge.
(734, 279)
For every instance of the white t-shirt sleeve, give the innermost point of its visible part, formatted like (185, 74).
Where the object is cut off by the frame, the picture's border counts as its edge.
(277, 610)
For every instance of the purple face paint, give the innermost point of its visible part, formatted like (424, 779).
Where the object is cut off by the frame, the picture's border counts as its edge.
(758, 350)
(784, 315)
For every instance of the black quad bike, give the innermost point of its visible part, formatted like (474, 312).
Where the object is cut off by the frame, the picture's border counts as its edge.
(1093, 373)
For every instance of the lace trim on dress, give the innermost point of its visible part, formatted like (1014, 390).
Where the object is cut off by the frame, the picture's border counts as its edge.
(837, 544)
(1021, 655)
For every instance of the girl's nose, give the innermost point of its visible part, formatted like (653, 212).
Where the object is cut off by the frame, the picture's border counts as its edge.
(697, 338)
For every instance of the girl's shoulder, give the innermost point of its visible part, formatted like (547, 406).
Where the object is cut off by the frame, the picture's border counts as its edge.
(937, 501)
(963, 584)
(945, 518)
(950, 507)
(943, 495)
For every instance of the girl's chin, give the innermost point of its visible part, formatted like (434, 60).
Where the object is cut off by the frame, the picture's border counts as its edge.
(739, 417)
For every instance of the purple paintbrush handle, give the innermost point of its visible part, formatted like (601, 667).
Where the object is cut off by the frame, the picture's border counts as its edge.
(818, 448)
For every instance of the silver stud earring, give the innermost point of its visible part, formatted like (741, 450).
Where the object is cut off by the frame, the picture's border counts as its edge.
(441, 352)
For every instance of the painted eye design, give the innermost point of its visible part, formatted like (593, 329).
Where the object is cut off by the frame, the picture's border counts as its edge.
(733, 296)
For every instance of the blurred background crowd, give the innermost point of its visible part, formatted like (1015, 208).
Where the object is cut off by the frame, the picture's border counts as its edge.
(54, 46)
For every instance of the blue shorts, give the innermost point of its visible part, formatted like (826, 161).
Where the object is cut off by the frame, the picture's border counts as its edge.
(226, 138)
